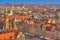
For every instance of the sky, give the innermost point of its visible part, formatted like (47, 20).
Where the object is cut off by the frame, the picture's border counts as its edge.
(31, 1)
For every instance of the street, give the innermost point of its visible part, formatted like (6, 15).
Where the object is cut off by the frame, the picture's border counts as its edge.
(35, 38)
